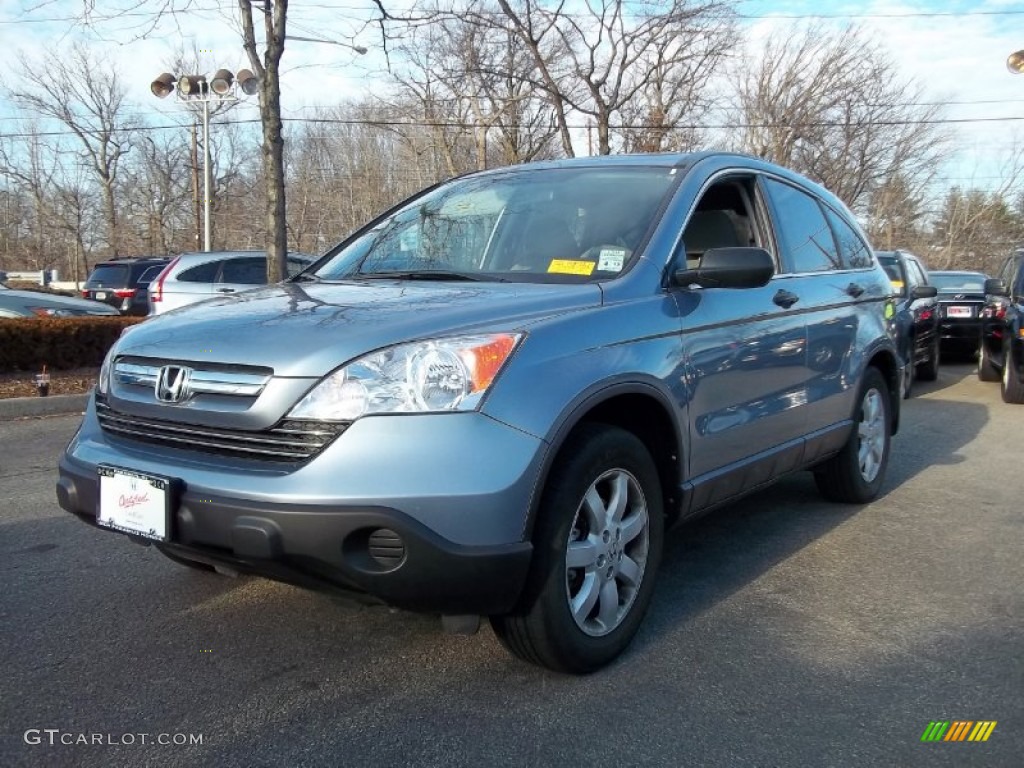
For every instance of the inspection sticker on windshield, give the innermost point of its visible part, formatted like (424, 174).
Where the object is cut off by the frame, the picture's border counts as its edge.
(611, 259)
(571, 267)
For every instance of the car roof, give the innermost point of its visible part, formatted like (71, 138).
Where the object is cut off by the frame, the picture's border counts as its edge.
(129, 260)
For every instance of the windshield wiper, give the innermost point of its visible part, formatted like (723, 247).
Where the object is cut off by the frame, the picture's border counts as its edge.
(426, 274)
(307, 277)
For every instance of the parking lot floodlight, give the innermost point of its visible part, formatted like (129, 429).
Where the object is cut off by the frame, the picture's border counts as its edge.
(248, 82)
(192, 85)
(1015, 62)
(163, 85)
(221, 82)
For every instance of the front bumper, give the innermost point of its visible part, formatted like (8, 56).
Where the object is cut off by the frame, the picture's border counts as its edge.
(443, 534)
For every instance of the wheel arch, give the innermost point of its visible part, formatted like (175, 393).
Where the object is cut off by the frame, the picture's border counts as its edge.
(638, 407)
(885, 361)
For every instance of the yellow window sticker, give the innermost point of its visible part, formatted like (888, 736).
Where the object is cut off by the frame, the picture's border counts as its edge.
(571, 267)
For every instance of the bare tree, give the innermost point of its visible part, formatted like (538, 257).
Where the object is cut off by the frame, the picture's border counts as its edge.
(600, 60)
(31, 167)
(84, 93)
(832, 104)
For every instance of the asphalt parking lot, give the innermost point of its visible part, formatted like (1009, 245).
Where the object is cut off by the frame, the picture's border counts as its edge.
(785, 631)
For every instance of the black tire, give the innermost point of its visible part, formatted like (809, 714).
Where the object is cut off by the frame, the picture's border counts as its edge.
(849, 477)
(1011, 385)
(929, 370)
(195, 565)
(621, 559)
(986, 370)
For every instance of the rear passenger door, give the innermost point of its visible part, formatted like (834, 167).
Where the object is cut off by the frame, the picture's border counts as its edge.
(829, 265)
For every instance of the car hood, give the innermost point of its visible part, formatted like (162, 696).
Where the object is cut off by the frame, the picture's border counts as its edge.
(309, 329)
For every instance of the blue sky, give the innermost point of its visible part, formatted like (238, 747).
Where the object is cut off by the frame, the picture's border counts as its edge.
(957, 48)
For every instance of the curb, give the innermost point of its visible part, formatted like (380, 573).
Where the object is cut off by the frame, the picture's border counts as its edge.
(21, 407)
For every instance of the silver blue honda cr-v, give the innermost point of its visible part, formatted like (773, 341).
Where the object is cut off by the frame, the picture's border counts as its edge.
(493, 399)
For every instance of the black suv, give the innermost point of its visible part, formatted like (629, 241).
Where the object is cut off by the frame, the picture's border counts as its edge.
(1001, 357)
(917, 315)
(118, 281)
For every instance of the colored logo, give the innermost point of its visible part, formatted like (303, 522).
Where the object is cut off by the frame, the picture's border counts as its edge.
(958, 730)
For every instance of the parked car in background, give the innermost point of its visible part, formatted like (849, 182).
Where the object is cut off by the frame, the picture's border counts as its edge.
(961, 300)
(491, 399)
(1001, 355)
(139, 305)
(117, 282)
(193, 277)
(916, 317)
(14, 303)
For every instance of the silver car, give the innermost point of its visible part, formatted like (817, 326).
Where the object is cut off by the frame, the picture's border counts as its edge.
(193, 277)
(14, 303)
(493, 399)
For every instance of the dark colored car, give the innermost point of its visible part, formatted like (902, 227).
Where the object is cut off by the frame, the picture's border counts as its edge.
(1001, 355)
(917, 315)
(116, 282)
(961, 300)
(492, 399)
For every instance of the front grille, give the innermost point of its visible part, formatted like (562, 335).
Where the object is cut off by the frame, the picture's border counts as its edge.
(291, 441)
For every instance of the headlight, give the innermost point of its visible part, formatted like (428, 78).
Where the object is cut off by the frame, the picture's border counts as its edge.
(103, 382)
(421, 377)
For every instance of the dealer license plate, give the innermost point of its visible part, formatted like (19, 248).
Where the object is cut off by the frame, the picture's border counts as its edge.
(959, 312)
(134, 502)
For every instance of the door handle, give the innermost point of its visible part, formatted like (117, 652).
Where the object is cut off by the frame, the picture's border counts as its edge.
(785, 299)
(855, 289)
(225, 290)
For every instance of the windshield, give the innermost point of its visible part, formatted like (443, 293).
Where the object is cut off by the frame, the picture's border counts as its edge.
(958, 282)
(538, 224)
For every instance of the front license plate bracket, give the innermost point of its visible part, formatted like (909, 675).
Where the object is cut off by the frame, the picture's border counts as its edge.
(136, 503)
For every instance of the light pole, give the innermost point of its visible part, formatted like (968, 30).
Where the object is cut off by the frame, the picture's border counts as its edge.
(197, 89)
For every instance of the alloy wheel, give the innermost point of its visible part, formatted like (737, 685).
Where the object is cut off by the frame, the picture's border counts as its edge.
(607, 552)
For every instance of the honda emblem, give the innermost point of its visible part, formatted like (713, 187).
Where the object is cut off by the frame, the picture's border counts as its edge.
(172, 384)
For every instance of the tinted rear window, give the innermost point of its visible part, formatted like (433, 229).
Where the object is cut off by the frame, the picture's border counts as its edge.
(958, 283)
(109, 275)
(202, 273)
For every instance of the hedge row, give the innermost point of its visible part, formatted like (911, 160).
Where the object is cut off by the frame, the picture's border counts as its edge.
(59, 343)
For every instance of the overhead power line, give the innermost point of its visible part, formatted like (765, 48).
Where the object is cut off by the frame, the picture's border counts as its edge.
(389, 122)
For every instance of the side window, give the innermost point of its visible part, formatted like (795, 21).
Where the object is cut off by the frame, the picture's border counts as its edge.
(726, 216)
(916, 273)
(251, 270)
(203, 273)
(805, 237)
(853, 251)
(295, 266)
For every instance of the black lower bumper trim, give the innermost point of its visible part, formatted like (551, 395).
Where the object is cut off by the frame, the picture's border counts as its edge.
(330, 548)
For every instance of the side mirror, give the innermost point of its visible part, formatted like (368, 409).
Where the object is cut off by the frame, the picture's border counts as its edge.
(729, 268)
(925, 292)
(995, 287)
